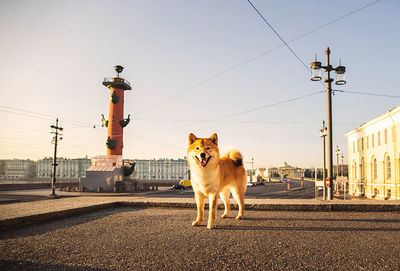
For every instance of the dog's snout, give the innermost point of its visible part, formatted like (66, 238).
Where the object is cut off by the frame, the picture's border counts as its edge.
(202, 155)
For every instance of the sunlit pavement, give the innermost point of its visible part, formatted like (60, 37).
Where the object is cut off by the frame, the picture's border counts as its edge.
(113, 231)
(163, 239)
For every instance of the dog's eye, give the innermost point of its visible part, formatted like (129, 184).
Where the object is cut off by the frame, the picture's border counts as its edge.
(197, 148)
(208, 148)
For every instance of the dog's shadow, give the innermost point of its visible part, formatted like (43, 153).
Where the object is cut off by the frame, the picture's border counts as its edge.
(231, 224)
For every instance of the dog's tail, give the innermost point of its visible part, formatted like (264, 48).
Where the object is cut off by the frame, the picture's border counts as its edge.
(236, 157)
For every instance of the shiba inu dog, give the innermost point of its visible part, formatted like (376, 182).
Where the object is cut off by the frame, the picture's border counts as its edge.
(212, 175)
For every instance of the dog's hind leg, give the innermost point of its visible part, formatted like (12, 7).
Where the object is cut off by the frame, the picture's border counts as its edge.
(224, 195)
(238, 195)
(200, 208)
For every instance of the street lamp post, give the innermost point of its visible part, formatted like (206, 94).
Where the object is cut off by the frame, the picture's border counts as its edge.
(337, 160)
(340, 80)
(342, 165)
(337, 168)
(322, 134)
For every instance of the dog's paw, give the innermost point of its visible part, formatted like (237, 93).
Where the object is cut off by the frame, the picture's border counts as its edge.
(239, 217)
(196, 223)
(224, 215)
(211, 226)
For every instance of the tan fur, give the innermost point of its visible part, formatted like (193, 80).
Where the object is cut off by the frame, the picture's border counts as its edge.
(218, 176)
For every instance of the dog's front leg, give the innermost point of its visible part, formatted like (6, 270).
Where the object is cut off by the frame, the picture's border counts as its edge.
(200, 208)
(213, 200)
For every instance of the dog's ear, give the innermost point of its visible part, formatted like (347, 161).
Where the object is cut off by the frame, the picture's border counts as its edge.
(192, 138)
(214, 138)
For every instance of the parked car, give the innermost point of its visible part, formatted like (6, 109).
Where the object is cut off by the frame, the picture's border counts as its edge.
(250, 184)
(186, 183)
(178, 186)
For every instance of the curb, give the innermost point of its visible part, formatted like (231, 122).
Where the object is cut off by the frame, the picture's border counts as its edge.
(18, 222)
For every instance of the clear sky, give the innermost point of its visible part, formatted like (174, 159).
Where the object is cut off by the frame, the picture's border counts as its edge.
(195, 66)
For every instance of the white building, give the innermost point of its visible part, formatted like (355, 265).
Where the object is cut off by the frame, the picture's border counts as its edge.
(66, 168)
(17, 169)
(286, 171)
(374, 157)
(161, 169)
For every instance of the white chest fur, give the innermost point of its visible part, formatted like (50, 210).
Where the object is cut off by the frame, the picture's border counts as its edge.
(205, 181)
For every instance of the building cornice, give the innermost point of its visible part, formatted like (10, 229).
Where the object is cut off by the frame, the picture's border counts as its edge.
(387, 114)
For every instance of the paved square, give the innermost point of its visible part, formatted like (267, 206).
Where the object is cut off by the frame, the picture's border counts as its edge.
(163, 239)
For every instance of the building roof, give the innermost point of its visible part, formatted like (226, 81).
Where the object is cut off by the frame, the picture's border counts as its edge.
(392, 111)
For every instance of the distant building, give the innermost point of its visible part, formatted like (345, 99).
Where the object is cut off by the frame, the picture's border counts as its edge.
(374, 156)
(161, 169)
(286, 171)
(273, 172)
(17, 169)
(2, 168)
(261, 174)
(66, 168)
(310, 172)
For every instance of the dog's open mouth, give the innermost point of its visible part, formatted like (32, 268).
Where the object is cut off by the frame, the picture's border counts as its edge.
(203, 161)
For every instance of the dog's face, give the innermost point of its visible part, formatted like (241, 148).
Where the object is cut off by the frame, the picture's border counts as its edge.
(203, 151)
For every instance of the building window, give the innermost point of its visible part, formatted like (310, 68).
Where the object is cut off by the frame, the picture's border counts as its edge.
(375, 170)
(385, 136)
(379, 138)
(362, 144)
(393, 133)
(367, 142)
(388, 168)
(354, 146)
(373, 141)
(362, 169)
(355, 171)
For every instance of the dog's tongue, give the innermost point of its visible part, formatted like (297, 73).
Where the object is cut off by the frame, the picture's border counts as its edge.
(203, 161)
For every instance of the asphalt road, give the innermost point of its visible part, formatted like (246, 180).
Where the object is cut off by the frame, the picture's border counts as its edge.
(270, 190)
(163, 239)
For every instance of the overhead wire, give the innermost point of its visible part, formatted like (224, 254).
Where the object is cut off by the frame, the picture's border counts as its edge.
(250, 59)
(368, 93)
(83, 125)
(279, 36)
(245, 111)
(46, 117)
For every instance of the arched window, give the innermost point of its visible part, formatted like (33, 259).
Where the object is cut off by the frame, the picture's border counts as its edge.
(388, 168)
(374, 170)
(362, 169)
(355, 171)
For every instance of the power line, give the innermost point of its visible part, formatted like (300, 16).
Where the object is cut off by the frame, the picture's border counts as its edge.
(249, 110)
(367, 93)
(269, 105)
(250, 59)
(39, 115)
(25, 114)
(83, 125)
(279, 36)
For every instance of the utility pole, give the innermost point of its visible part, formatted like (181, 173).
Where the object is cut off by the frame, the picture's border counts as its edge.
(55, 130)
(340, 80)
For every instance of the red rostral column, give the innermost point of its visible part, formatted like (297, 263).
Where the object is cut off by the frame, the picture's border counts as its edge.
(116, 121)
